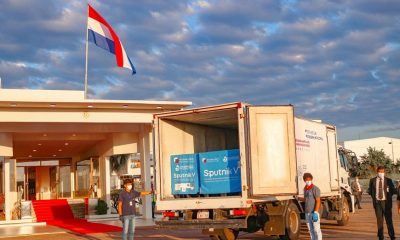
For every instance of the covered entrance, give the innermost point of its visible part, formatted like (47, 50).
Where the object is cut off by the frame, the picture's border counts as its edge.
(53, 165)
(58, 145)
(44, 179)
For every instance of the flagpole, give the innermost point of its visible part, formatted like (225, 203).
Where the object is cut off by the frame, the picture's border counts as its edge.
(87, 51)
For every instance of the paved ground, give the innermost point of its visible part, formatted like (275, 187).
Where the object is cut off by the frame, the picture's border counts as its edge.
(362, 226)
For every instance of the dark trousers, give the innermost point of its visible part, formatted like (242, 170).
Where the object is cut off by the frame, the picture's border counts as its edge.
(382, 212)
(153, 209)
(357, 196)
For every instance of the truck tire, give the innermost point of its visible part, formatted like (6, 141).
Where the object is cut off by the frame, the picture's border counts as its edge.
(345, 213)
(292, 221)
(227, 234)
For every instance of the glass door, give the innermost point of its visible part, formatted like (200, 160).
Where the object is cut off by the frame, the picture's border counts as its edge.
(31, 180)
(87, 177)
(53, 182)
(82, 178)
(64, 186)
(21, 193)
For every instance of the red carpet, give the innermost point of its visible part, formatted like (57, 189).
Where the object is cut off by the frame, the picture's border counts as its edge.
(58, 213)
(48, 210)
(84, 227)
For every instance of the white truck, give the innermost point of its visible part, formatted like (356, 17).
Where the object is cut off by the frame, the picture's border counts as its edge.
(276, 148)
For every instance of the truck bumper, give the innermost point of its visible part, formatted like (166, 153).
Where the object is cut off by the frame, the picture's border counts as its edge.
(202, 224)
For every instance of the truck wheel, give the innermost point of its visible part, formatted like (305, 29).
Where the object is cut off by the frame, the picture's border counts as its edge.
(345, 213)
(227, 234)
(292, 221)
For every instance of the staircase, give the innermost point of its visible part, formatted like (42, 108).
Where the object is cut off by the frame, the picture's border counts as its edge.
(78, 208)
(50, 210)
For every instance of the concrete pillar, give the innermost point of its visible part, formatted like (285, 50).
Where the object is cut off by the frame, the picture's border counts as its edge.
(73, 174)
(106, 187)
(145, 150)
(7, 203)
(10, 194)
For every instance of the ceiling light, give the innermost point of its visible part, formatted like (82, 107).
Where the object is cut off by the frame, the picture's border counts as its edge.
(54, 155)
(159, 107)
(53, 105)
(59, 150)
(125, 106)
(13, 104)
(39, 144)
(34, 150)
(90, 106)
(66, 144)
(30, 156)
(45, 135)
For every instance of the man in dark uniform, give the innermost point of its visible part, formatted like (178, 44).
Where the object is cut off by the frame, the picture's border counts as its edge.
(127, 208)
(381, 190)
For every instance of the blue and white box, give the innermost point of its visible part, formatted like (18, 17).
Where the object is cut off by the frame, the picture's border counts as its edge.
(185, 174)
(220, 172)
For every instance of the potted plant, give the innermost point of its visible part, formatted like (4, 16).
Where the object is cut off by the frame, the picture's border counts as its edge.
(101, 207)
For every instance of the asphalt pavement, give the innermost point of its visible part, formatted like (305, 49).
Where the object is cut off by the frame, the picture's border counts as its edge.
(362, 226)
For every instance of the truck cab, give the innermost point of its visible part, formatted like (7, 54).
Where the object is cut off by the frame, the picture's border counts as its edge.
(346, 165)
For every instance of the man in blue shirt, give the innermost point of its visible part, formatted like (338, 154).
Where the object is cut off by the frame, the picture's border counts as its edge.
(127, 209)
(312, 201)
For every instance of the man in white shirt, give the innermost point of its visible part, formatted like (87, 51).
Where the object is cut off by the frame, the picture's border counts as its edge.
(357, 192)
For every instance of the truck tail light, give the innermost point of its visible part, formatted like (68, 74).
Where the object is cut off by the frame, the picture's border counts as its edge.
(238, 212)
(170, 214)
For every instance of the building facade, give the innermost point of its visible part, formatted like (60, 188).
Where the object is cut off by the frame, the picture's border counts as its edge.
(57, 144)
(391, 146)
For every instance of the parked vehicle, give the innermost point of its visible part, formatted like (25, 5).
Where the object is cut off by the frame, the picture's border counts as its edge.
(275, 149)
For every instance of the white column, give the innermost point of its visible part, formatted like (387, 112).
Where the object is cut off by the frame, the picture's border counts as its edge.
(145, 150)
(7, 193)
(73, 174)
(107, 183)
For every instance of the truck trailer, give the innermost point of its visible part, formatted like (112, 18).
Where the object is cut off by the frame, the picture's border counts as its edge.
(273, 148)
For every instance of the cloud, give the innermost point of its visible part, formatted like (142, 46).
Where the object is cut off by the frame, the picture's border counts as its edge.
(334, 60)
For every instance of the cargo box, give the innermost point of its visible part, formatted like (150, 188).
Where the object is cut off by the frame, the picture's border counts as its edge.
(220, 172)
(263, 134)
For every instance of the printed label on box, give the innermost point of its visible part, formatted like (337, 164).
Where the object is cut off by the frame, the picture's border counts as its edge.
(184, 174)
(220, 172)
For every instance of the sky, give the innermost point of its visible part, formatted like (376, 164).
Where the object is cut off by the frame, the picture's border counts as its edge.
(337, 61)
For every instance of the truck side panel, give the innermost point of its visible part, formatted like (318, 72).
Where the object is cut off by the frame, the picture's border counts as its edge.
(313, 156)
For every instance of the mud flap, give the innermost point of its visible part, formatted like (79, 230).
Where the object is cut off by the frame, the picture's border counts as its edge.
(275, 225)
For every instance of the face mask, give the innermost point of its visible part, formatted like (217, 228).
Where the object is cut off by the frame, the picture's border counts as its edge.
(129, 187)
(308, 183)
(381, 175)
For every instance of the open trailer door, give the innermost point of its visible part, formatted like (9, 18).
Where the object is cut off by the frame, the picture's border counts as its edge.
(272, 156)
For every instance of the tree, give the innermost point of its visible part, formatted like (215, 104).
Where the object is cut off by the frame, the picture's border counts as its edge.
(373, 159)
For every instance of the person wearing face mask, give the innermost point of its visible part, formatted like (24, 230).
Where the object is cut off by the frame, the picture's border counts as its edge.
(357, 192)
(127, 209)
(312, 204)
(381, 190)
